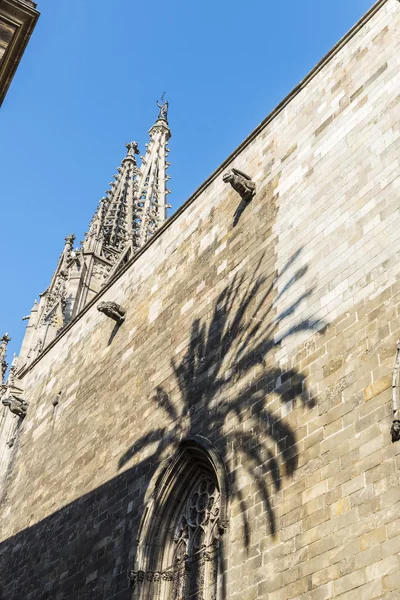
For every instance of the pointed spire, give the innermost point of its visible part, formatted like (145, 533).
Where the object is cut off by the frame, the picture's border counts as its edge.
(152, 190)
(113, 223)
(130, 212)
(135, 206)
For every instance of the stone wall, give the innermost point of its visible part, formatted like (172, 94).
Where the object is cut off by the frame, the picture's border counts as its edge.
(270, 329)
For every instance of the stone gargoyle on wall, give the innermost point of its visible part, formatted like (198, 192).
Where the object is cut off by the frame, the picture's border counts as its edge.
(17, 406)
(241, 183)
(113, 311)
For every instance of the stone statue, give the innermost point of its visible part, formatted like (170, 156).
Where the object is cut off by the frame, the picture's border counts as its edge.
(395, 430)
(113, 311)
(163, 114)
(3, 349)
(241, 183)
(17, 406)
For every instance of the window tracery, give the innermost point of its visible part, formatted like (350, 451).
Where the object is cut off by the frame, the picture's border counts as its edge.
(196, 543)
(179, 542)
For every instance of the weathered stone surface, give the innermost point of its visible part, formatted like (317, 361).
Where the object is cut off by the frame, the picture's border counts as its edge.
(272, 333)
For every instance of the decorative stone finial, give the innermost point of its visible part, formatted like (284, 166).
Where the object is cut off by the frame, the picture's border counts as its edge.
(241, 183)
(132, 148)
(113, 311)
(70, 239)
(17, 406)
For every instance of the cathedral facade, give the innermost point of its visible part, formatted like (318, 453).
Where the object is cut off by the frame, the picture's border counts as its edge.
(208, 406)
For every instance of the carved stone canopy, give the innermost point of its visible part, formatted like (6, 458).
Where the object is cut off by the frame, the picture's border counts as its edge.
(113, 311)
(241, 183)
(17, 406)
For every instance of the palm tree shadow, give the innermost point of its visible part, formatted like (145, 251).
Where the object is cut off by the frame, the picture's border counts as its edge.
(222, 356)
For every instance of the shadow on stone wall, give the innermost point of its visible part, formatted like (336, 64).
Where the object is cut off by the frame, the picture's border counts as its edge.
(222, 398)
(81, 551)
(225, 382)
(85, 550)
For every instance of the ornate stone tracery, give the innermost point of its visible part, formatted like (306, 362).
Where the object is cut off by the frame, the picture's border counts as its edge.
(196, 539)
(197, 527)
(179, 546)
(193, 572)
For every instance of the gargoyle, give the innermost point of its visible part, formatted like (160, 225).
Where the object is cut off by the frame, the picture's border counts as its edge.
(17, 406)
(113, 311)
(241, 183)
(395, 430)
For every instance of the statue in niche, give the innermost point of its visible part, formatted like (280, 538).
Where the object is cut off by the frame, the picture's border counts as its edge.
(395, 430)
(241, 183)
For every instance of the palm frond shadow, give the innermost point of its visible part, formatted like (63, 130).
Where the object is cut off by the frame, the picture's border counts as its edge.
(223, 356)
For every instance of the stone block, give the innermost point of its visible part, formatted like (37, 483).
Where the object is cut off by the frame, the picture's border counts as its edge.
(273, 338)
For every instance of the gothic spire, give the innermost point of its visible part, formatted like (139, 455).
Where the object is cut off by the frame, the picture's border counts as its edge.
(152, 184)
(114, 223)
(133, 208)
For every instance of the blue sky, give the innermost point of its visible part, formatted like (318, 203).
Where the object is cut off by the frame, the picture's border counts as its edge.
(88, 83)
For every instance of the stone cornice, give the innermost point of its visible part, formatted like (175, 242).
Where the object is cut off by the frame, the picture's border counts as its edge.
(22, 15)
(281, 106)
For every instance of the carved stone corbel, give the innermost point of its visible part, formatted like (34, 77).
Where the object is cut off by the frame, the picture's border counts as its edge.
(136, 577)
(241, 183)
(113, 311)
